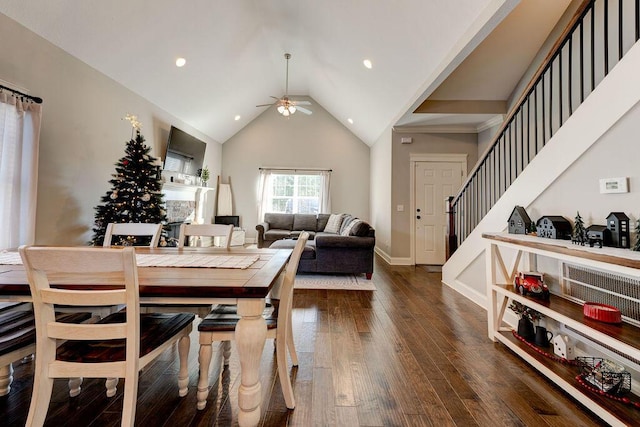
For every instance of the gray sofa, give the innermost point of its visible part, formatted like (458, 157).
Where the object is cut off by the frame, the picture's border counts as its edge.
(325, 252)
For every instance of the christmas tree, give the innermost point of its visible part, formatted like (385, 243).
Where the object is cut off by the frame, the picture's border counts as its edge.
(135, 195)
(636, 246)
(579, 235)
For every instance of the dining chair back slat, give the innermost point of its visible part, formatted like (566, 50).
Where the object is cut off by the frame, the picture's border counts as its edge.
(132, 229)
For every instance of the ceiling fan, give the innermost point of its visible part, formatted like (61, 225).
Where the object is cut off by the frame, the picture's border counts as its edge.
(287, 106)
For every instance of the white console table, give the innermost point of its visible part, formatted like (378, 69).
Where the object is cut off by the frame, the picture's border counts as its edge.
(624, 339)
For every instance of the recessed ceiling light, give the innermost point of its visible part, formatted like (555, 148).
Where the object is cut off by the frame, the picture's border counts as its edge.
(350, 120)
(237, 117)
(367, 63)
(180, 62)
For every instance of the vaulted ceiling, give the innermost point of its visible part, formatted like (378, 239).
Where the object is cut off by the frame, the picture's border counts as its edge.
(235, 53)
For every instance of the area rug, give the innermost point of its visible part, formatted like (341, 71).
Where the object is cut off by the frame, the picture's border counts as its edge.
(345, 282)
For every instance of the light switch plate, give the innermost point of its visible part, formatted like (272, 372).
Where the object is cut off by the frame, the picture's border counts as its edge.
(614, 185)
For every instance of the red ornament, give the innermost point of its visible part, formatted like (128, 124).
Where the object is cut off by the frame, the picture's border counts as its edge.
(125, 162)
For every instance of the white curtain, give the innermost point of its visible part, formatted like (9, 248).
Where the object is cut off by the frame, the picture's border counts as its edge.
(325, 195)
(19, 140)
(263, 192)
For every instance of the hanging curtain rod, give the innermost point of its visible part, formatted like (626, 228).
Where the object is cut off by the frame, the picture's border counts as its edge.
(296, 170)
(24, 95)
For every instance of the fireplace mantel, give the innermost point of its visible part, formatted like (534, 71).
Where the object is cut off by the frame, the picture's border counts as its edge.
(204, 198)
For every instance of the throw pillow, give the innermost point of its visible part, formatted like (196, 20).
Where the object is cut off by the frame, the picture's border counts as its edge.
(346, 219)
(347, 231)
(334, 223)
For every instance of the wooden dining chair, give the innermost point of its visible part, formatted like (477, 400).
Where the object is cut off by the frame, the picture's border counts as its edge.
(117, 346)
(205, 230)
(220, 325)
(132, 229)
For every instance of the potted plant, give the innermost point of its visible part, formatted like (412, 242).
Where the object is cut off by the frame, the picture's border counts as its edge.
(204, 175)
(527, 318)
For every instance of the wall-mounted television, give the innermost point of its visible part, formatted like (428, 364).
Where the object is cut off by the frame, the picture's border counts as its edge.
(185, 153)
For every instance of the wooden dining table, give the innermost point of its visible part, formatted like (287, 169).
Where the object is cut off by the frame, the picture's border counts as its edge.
(246, 287)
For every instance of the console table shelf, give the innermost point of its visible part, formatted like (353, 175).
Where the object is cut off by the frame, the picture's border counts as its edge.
(624, 338)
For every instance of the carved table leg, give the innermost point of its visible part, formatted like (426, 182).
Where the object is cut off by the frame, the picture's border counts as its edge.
(251, 333)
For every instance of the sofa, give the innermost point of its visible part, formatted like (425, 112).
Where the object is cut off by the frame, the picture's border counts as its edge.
(338, 243)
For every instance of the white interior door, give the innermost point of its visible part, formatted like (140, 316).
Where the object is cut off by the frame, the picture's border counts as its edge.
(434, 181)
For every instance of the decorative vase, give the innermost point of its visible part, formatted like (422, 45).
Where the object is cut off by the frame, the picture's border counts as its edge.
(525, 329)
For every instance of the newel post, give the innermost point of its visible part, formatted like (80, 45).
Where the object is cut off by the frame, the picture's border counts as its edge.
(452, 239)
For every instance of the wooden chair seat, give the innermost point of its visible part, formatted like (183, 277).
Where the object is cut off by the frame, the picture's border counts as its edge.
(155, 330)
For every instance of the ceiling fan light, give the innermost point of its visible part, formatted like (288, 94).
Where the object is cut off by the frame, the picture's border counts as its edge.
(292, 109)
(281, 109)
(285, 112)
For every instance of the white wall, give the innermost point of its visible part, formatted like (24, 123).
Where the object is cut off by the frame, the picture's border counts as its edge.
(381, 192)
(442, 143)
(301, 141)
(82, 134)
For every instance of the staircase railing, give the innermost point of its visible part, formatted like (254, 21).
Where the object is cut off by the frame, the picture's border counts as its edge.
(597, 37)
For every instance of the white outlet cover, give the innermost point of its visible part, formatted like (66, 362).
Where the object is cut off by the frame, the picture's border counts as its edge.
(614, 185)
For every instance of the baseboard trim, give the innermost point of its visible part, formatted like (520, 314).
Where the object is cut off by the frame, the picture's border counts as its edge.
(393, 260)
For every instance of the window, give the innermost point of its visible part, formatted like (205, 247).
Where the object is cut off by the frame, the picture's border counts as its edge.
(294, 191)
(295, 194)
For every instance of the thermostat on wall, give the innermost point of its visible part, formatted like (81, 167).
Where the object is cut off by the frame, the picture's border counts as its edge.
(614, 185)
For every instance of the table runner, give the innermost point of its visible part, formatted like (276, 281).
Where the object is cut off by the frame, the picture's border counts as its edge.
(169, 260)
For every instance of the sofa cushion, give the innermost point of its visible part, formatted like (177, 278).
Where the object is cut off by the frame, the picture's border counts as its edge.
(322, 221)
(276, 234)
(306, 222)
(360, 229)
(346, 231)
(296, 233)
(279, 220)
(309, 251)
(334, 223)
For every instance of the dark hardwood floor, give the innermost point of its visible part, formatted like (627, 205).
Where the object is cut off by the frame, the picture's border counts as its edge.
(412, 353)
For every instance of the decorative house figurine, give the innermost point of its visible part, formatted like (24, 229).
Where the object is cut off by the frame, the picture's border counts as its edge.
(563, 347)
(519, 221)
(554, 227)
(598, 235)
(618, 225)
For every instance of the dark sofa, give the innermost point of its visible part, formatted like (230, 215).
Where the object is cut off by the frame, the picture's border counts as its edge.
(325, 252)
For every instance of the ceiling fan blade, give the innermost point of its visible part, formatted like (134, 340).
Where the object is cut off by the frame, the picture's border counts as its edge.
(302, 102)
(265, 105)
(275, 98)
(304, 110)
